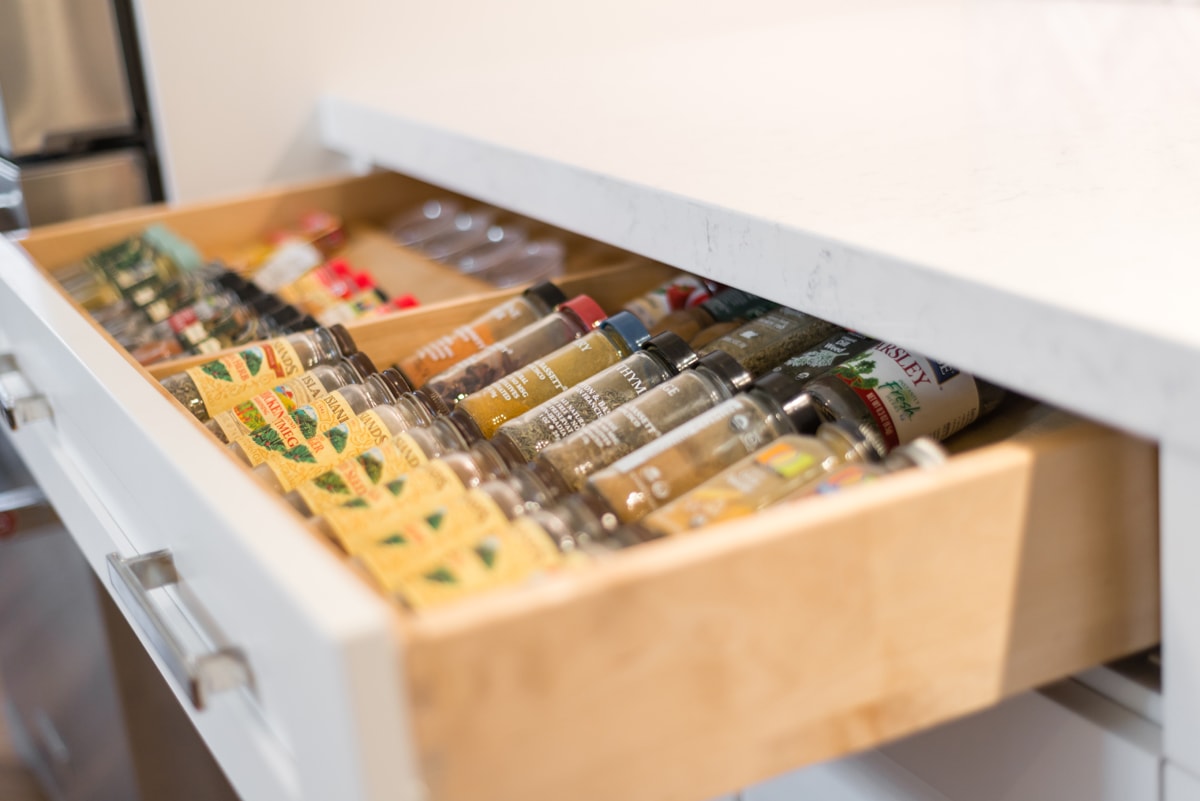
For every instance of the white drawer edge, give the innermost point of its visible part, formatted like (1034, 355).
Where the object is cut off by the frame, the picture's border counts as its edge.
(367, 742)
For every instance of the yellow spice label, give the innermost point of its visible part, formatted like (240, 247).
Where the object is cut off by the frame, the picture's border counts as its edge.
(506, 557)
(302, 462)
(359, 475)
(300, 424)
(225, 382)
(267, 407)
(361, 523)
(467, 517)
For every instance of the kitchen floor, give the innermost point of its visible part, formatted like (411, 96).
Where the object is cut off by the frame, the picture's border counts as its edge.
(16, 783)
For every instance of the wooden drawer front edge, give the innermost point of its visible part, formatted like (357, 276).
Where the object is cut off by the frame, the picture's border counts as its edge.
(695, 667)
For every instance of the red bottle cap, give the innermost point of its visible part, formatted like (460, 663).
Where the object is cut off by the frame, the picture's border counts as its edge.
(585, 309)
(341, 268)
(406, 302)
(364, 281)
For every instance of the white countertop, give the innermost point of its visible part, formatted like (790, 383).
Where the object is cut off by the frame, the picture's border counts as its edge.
(1012, 186)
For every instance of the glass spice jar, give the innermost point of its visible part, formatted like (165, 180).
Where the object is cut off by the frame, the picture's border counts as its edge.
(499, 322)
(726, 306)
(657, 473)
(676, 294)
(219, 385)
(545, 541)
(479, 414)
(297, 460)
(273, 404)
(305, 422)
(922, 452)
(765, 477)
(661, 358)
(898, 395)
(571, 320)
(840, 347)
(566, 465)
(359, 475)
(367, 521)
(479, 511)
(765, 342)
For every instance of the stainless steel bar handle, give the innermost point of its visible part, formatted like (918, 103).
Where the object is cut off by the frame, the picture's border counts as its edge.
(199, 675)
(19, 404)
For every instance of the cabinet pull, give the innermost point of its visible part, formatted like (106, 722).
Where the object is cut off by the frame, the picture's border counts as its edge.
(19, 403)
(199, 675)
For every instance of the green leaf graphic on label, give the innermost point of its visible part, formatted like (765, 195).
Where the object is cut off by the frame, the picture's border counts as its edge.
(338, 437)
(394, 539)
(217, 370)
(300, 453)
(305, 418)
(267, 437)
(435, 520)
(253, 360)
(487, 551)
(442, 576)
(332, 482)
(857, 372)
(372, 465)
(396, 486)
(356, 503)
(249, 415)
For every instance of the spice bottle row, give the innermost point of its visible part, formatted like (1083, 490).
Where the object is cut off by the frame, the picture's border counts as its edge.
(547, 433)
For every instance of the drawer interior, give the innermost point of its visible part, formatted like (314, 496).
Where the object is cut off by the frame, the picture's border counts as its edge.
(800, 634)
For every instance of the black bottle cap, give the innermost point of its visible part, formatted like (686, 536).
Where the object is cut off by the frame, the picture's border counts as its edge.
(231, 280)
(798, 406)
(249, 292)
(672, 349)
(342, 337)
(628, 328)
(306, 323)
(394, 381)
(728, 369)
(362, 363)
(266, 303)
(285, 317)
(548, 293)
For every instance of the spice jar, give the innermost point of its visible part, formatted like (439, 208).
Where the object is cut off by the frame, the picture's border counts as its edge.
(359, 475)
(544, 541)
(661, 358)
(657, 473)
(367, 521)
(273, 404)
(678, 293)
(479, 414)
(571, 320)
(767, 341)
(476, 512)
(765, 477)
(500, 322)
(923, 452)
(840, 347)
(297, 460)
(221, 384)
(305, 422)
(566, 465)
(727, 305)
(897, 396)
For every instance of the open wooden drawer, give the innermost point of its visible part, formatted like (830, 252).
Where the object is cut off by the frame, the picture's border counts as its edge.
(677, 670)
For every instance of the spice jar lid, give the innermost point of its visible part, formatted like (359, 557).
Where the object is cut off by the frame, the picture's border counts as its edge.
(342, 337)
(248, 292)
(306, 323)
(628, 328)
(394, 381)
(231, 280)
(799, 407)
(285, 316)
(585, 309)
(672, 349)
(726, 368)
(362, 363)
(266, 304)
(548, 293)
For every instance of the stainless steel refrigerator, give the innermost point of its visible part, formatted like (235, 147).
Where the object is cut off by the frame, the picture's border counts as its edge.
(74, 114)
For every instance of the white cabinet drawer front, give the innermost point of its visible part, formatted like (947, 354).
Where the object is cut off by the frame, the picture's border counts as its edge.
(133, 475)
